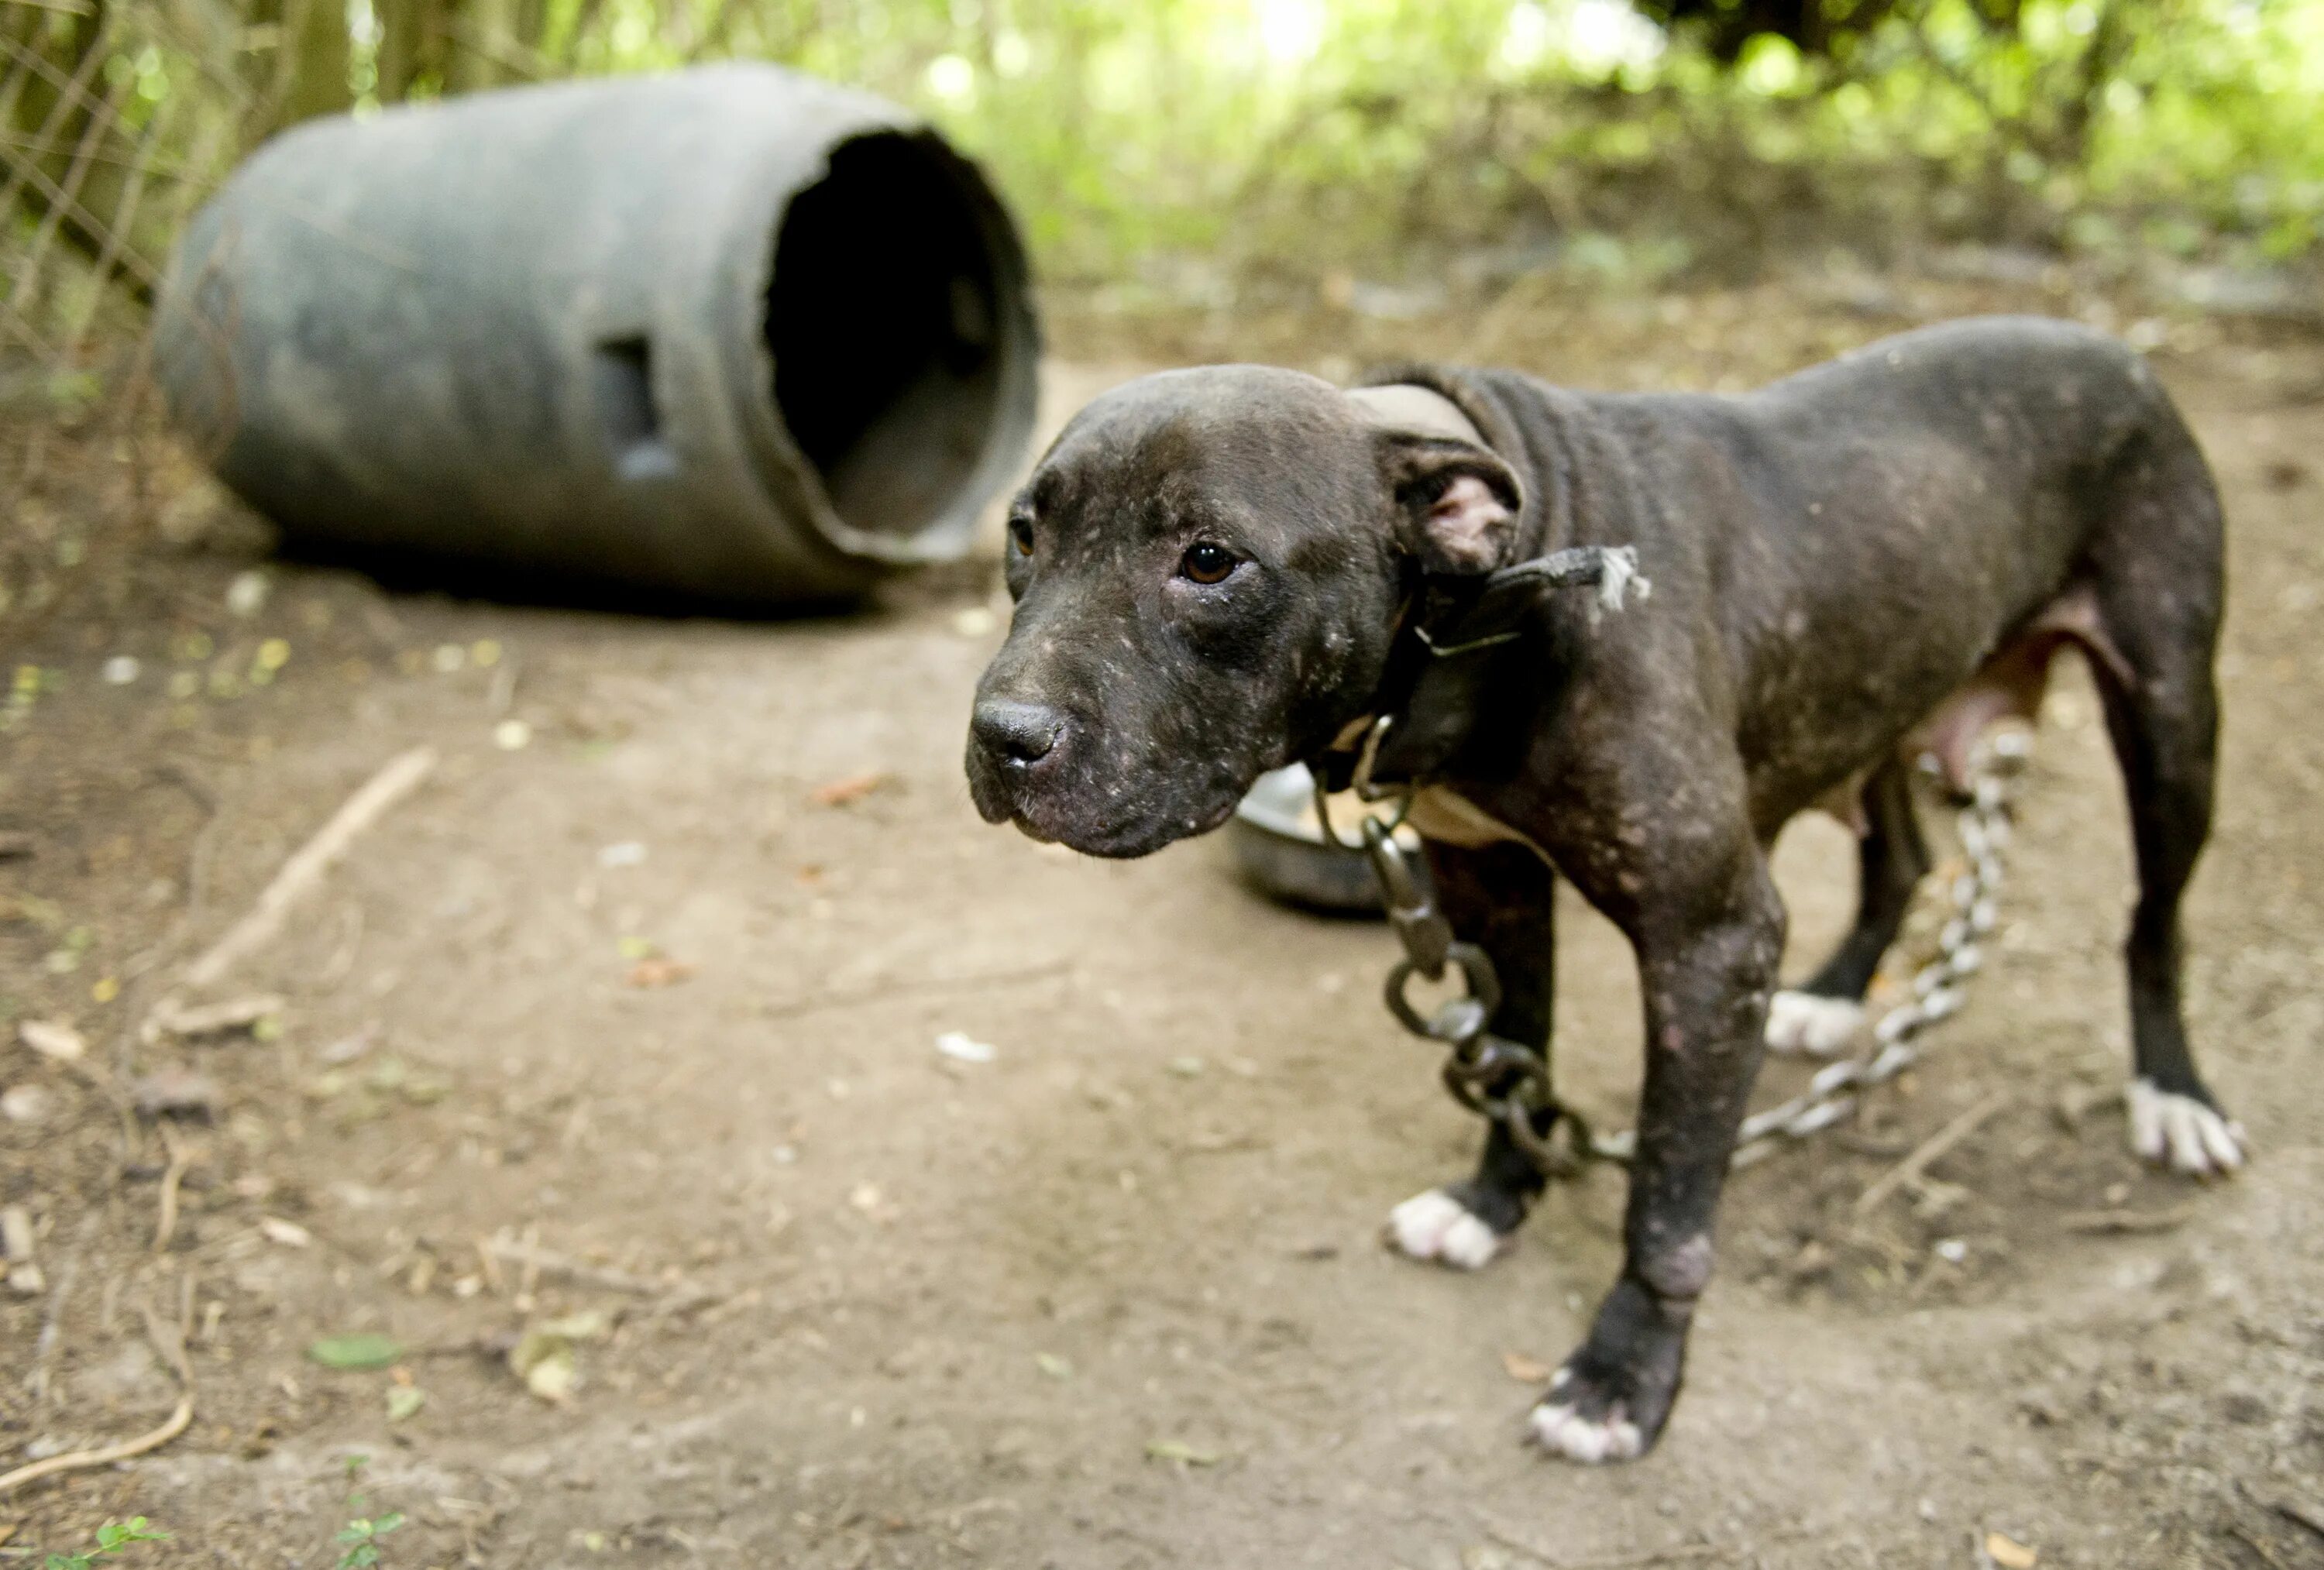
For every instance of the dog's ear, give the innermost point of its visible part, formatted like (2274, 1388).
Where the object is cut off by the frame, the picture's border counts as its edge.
(1456, 504)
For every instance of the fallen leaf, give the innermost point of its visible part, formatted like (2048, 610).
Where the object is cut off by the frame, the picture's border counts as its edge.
(659, 971)
(1179, 1451)
(588, 1324)
(289, 1234)
(404, 1401)
(357, 1350)
(172, 1018)
(2009, 1553)
(545, 1366)
(543, 1356)
(1526, 1370)
(52, 1039)
(855, 787)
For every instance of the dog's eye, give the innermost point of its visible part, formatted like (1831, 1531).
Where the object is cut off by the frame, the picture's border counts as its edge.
(1208, 564)
(1020, 535)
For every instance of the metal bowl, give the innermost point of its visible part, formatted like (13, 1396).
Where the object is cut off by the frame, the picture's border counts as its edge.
(1280, 847)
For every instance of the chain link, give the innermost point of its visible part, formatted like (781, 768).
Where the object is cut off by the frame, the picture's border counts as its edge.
(1509, 1083)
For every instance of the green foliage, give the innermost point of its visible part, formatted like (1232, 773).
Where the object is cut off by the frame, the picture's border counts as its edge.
(362, 1537)
(1168, 141)
(111, 1538)
(357, 1349)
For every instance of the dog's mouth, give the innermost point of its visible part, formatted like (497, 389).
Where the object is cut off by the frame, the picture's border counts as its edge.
(1118, 839)
(1090, 818)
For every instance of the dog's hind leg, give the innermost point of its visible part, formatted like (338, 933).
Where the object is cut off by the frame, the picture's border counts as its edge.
(1823, 1014)
(1497, 896)
(2159, 591)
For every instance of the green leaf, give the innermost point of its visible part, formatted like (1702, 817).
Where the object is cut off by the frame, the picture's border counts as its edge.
(404, 1401)
(1179, 1451)
(386, 1523)
(360, 1349)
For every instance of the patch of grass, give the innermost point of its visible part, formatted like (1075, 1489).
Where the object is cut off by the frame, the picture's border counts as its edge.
(111, 1538)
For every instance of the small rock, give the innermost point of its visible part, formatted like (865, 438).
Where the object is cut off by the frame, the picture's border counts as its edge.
(1186, 1068)
(289, 1234)
(175, 1092)
(961, 1047)
(247, 596)
(52, 1039)
(26, 1103)
(2243, 1407)
(511, 736)
(622, 853)
(121, 670)
(976, 621)
(17, 1242)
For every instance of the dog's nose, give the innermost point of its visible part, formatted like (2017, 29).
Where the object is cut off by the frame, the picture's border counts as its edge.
(1014, 732)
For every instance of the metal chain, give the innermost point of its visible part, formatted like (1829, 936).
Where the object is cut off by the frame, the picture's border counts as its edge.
(1510, 1083)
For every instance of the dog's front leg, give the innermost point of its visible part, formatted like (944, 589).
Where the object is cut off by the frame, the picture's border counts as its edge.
(1502, 897)
(1707, 948)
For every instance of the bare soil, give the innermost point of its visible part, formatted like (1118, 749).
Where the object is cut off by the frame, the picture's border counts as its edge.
(1114, 1298)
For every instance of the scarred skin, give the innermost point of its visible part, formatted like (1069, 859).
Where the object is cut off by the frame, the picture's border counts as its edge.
(1833, 559)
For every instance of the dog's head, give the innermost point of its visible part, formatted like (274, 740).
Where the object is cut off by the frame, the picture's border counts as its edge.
(1208, 566)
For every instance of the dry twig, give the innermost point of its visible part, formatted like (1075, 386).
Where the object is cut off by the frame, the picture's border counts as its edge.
(306, 869)
(2104, 1221)
(536, 1259)
(181, 1156)
(1913, 1167)
(172, 1350)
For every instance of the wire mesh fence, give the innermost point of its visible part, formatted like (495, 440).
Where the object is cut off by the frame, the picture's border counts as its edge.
(116, 119)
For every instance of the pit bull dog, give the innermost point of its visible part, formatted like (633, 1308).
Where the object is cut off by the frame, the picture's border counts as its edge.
(1217, 570)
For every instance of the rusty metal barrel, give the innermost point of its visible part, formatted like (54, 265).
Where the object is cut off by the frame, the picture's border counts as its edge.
(732, 332)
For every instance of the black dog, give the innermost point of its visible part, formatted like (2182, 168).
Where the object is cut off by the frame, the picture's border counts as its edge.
(1214, 570)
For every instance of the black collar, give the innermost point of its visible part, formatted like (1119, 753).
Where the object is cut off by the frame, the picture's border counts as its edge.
(1425, 709)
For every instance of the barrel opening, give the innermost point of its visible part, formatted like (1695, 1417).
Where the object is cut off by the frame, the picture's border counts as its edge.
(884, 320)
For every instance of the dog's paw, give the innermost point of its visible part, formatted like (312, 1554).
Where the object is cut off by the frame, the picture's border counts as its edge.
(1802, 1021)
(2189, 1135)
(1435, 1226)
(1565, 1425)
(1610, 1400)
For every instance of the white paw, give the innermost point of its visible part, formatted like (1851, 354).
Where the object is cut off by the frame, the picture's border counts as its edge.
(2193, 1137)
(1435, 1225)
(1800, 1022)
(1562, 1431)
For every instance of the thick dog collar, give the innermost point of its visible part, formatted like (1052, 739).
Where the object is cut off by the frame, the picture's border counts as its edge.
(1425, 707)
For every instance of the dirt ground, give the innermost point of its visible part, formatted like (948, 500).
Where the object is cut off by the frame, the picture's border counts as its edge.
(652, 999)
